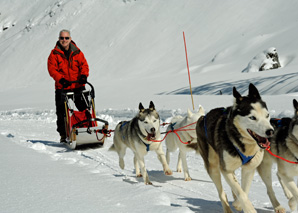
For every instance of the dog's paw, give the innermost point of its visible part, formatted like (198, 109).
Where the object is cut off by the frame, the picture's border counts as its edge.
(121, 163)
(187, 179)
(237, 205)
(280, 209)
(179, 170)
(148, 183)
(292, 203)
(139, 175)
(168, 172)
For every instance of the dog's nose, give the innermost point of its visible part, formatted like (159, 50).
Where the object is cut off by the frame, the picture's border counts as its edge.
(152, 130)
(269, 132)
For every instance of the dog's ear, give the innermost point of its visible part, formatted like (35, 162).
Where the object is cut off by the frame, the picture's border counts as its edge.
(237, 95)
(189, 113)
(141, 107)
(295, 103)
(151, 106)
(253, 91)
(201, 110)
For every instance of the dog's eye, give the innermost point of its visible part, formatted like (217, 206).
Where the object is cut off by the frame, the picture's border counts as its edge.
(267, 116)
(154, 121)
(145, 122)
(252, 118)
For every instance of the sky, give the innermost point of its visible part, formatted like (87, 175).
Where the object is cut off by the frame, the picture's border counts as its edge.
(136, 53)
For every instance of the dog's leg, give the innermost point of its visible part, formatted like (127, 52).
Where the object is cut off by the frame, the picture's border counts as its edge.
(291, 185)
(211, 161)
(291, 199)
(264, 171)
(121, 150)
(247, 175)
(168, 153)
(137, 167)
(161, 157)
(240, 194)
(140, 160)
(182, 156)
(179, 163)
(215, 175)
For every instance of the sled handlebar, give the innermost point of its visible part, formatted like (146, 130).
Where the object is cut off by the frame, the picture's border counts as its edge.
(92, 92)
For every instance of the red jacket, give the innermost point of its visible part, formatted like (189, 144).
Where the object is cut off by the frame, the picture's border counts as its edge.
(72, 69)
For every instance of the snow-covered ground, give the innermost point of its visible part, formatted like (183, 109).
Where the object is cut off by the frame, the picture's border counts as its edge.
(135, 51)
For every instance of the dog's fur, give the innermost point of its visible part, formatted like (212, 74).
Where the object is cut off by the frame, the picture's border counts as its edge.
(137, 134)
(188, 134)
(244, 126)
(284, 143)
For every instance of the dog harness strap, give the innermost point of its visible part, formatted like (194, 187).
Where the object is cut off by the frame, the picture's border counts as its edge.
(245, 159)
(123, 123)
(172, 126)
(205, 126)
(147, 146)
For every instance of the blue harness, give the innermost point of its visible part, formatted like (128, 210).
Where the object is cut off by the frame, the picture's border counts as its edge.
(245, 159)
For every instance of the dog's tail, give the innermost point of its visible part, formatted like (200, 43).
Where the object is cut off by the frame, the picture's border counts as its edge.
(112, 148)
(194, 146)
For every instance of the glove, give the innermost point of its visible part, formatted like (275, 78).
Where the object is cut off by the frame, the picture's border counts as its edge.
(64, 83)
(83, 79)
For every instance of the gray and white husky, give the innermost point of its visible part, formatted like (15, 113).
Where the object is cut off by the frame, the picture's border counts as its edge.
(234, 137)
(137, 134)
(187, 134)
(284, 144)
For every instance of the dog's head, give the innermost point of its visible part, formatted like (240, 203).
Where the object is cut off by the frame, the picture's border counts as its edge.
(251, 117)
(149, 121)
(192, 118)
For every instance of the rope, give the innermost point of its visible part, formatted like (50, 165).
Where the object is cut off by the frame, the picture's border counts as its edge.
(107, 133)
(268, 150)
(175, 131)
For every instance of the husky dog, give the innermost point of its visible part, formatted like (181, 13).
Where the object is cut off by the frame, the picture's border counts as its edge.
(137, 134)
(284, 144)
(187, 134)
(234, 137)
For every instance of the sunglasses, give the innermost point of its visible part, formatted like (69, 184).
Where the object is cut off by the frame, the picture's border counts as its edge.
(62, 38)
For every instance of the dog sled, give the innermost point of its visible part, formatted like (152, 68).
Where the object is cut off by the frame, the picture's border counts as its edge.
(82, 125)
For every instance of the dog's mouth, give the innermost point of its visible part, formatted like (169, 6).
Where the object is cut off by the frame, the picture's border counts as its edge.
(150, 136)
(261, 141)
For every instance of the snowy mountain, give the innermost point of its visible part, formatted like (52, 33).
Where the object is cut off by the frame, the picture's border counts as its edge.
(136, 53)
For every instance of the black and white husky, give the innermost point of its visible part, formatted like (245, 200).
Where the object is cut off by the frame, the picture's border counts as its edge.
(284, 144)
(233, 137)
(137, 134)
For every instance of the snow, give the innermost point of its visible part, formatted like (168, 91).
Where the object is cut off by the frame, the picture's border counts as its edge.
(135, 51)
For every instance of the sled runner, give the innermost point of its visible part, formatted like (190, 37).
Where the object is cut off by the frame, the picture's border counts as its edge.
(82, 126)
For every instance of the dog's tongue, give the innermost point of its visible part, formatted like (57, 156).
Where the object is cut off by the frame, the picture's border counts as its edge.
(263, 142)
(150, 136)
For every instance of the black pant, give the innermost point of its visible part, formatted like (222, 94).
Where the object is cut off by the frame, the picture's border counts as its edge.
(60, 106)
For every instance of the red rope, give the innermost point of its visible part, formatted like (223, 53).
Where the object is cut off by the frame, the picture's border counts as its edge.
(268, 150)
(175, 131)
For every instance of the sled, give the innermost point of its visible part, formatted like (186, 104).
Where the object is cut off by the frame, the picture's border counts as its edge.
(82, 126)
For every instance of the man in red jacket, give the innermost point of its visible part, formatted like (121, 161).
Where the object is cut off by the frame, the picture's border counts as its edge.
(66, 63)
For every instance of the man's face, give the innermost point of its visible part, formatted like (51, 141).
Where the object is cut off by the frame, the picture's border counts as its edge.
(64, 40)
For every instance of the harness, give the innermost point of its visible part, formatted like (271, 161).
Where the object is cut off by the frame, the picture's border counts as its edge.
(123, 123)
(245, 159)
